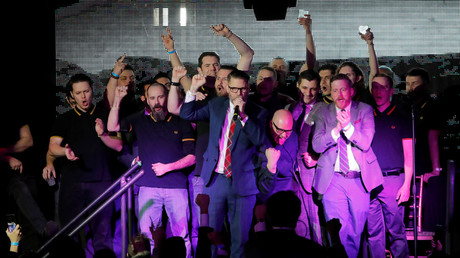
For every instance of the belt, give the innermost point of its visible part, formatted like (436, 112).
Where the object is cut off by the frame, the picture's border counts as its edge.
(394, 172)
(350, 174)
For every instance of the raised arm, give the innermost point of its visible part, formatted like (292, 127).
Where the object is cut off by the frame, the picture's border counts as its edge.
(245, 51)
(373, 62)
(113, 80)
(168, 42)
(310, 59)
(113, 122)
(175, 97)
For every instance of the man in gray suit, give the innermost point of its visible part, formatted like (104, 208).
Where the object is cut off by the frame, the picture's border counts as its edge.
(347, 169)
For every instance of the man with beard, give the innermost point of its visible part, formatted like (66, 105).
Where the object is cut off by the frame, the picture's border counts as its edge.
(166, 146)
(266, 94)
(347, 169)
(230, 171)
(303, 114)
(79, 136)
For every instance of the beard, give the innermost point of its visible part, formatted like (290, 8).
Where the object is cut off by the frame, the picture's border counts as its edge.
(158, 115)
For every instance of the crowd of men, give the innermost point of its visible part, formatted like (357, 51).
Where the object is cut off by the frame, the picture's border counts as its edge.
(312, 168)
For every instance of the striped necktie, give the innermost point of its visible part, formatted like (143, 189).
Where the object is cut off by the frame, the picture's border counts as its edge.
(343, 157)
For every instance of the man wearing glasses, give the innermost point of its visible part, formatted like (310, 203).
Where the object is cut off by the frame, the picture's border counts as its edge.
(281, 152)
(230, 171)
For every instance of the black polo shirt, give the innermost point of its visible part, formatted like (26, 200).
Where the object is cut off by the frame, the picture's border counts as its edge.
(77, 128)
(391, 126)
(161, 141)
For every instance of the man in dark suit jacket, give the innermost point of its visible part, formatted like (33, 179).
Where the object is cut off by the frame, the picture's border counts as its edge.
(303, 112)
(232, 186)
(347, 172)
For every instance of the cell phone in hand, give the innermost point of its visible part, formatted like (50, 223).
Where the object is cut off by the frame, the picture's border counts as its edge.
(11, 218)
(303, 13)
(363, 29)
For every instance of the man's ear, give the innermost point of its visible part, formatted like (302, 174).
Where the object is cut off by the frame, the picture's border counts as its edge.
(199, 70)
(359, 78)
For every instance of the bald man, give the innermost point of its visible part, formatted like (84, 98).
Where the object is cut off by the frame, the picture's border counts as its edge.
(281, 151)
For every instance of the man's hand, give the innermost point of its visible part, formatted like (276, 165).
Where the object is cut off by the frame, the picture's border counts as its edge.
(200, 96)
(310, 161)
(368, 37)
(121, 92)
(344, 118)
(198, 80)
(273, 156)
(119, 65)
(69, 153)
(221, 30)
(15, 164)
(160, 168)
(202, 200)
(403, 193)
(177, 73)
(168, 40)
(306, 23)
(49, 171)
(238, 101)
(427, 176)
(99, 127)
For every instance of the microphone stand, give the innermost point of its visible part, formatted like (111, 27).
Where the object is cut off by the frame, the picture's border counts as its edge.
(414, 188)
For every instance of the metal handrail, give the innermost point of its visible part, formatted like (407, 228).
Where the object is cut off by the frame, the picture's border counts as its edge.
(123, 189)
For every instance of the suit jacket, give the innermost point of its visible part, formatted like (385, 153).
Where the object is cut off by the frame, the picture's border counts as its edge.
(246, 141)
(305, 175)
(362, 119)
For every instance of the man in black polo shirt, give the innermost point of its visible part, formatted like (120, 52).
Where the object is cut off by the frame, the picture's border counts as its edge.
(80, 137)
(392, 145)
(166, 148)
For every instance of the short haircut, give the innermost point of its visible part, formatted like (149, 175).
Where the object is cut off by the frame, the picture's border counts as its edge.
(238, 74)
(358, 72)
(278, 58)
(309, 75)
(283, 209)
(140, 89)
(161, 75)
(417, 71)
(341, 77)
(330, 67)
(383, 75)
(128, 67)
(204, 54)
(157, 84)
(271, 69)
(79, 77)
(228, 67)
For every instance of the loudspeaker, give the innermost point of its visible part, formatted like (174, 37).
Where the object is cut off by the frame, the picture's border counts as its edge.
(267, 10)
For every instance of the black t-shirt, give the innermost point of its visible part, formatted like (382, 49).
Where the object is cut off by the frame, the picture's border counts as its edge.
(77, 128)
(391, 127)
(427, 116)
(161, 141)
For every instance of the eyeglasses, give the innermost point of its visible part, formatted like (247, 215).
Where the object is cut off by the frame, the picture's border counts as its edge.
(237, 90)
(280, 131)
